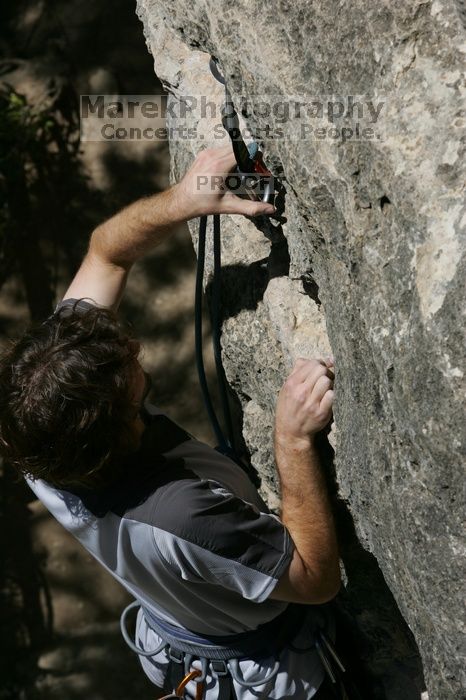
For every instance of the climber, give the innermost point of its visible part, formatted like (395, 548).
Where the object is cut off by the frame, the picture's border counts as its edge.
(180, 525)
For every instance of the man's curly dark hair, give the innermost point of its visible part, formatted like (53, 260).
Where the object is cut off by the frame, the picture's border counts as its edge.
(65, 397)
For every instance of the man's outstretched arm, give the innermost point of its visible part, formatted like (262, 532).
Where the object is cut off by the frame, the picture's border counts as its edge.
(128, 236)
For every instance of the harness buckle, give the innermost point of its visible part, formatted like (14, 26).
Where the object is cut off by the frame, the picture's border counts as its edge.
(175, 655)
(219, 668)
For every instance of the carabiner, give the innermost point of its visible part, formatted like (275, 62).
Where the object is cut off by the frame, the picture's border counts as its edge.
(179, 690)
(204, 665)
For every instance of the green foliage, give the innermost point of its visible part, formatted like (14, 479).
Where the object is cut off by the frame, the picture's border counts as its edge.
(24, 131)
(23, 135)
(42, 188)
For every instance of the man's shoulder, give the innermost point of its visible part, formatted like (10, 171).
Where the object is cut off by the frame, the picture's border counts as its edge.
(179, 501)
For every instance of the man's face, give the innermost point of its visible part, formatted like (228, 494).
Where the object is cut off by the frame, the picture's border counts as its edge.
(141, 385)
(141, 380)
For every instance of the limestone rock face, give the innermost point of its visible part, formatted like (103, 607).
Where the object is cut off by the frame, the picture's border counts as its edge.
(370, 268)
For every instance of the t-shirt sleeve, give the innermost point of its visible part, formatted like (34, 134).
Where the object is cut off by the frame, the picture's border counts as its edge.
(75, 304)
(205, 534)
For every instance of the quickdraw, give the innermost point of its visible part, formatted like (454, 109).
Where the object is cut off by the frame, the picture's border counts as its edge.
(258, 181)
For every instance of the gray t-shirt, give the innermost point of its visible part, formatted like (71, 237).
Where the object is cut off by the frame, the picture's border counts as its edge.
(188, 535)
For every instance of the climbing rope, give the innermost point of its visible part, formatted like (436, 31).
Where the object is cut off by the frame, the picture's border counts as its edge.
(250, 168)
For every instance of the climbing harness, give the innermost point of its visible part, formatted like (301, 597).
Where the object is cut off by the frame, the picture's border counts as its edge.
(223, 653)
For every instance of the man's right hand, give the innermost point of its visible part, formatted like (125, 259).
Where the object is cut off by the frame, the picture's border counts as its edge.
(202, 190)
(304, 405)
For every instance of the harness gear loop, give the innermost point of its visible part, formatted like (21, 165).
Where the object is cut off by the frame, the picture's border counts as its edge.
(187, 665)
(127, 638)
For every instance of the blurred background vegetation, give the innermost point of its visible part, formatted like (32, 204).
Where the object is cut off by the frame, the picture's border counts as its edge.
(59, 608)
(38, 143)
